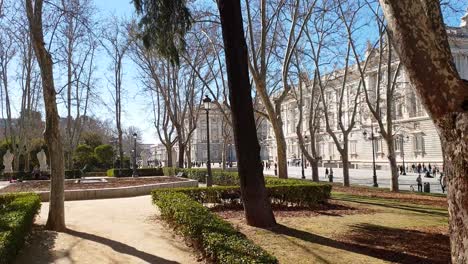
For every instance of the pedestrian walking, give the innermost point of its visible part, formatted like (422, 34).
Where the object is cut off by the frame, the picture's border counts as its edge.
(330, 176)
(326, 173)
(419, 181)
(443, 182)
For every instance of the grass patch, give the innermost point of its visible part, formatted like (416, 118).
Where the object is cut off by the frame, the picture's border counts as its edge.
(393, 232)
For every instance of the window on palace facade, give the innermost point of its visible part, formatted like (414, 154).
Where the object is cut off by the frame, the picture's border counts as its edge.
(379, 146)
(397, 144)
(331, 149)
(418, 143)
(352, 147)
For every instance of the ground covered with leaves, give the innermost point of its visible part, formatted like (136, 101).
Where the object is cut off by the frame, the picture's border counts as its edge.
(358, 225)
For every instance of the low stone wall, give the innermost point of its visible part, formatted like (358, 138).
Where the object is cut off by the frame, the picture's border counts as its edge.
(91, 194)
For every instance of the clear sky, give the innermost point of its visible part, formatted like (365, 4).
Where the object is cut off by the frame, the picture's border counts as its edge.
(136, 109)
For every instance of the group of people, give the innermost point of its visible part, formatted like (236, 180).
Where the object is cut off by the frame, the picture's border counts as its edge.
(442, 182)
(329, 174)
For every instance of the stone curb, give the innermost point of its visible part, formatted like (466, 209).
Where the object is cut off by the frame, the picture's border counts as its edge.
(120, 192)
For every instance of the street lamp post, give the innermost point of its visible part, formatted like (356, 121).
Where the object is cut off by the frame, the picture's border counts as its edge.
(372, 138)
(207, 105)
(135, 172)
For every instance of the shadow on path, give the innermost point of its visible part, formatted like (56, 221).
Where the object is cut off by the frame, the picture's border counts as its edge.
(368, 250)
(121, 247)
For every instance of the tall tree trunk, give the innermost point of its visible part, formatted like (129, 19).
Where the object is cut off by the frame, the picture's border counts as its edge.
(188, 156)
(181, 154)
(56, 217)
(257, 206)
(345, 160)
(430, 68)
(280, 151)
(169, 156)
(393, 164)
(315, 171)
(223, 156)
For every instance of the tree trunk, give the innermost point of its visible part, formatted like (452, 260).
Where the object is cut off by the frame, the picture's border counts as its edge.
(189, 155)
(393, 164)
(455, 152)
(181, 154)
(280, 151)
(169, 156)
(56, 217)
(257, 206)
(223, 156)
(315, 172)
(345, 160)
(430, 68)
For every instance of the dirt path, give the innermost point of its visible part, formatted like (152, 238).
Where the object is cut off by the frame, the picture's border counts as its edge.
(125, 230)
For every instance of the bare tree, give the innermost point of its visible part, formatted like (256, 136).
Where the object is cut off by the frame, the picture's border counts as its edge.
(260, 63)
(56, 218)
(76, 48)
(430, 68)
(116, 43)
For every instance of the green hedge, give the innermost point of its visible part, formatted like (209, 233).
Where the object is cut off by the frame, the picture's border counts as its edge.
(226, 178)
(17, 212)
(141, 172)
(287, 194)
(216, 238)
(21, 175)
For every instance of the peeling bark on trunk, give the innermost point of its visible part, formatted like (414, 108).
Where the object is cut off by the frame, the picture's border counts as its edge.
(257, 206)
(169, 156)
(420, 38)
(56, 217)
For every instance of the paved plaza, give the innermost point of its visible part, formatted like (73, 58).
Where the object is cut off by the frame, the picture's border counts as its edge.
(364, 177)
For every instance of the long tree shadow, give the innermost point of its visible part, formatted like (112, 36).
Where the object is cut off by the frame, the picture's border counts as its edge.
(39, 247)
(369, 250)
(121, 247)
(394, 205)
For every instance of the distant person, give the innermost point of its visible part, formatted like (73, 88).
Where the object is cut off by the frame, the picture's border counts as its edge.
(330, 177)
(419, 181)
(276, 169)
(326, 173)
(443, 182)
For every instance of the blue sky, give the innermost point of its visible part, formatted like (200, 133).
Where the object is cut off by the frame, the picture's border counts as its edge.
(136, 110)
(135, 106)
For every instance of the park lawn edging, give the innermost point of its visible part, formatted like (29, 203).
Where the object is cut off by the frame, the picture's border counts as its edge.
(17, 213)
(214, 237)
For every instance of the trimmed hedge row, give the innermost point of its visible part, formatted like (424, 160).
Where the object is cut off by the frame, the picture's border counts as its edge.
(17, 212)
(226, 178)
(141, 172)
(216, 238)
(21, 175)
(286, 194)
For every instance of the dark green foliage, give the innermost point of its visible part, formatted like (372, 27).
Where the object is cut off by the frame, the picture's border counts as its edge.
(104, 155)
(216, 238)
(225, 178)
(17, 214)
(84, 155)
(163, 25)
(300, 195)
(141, 172)
(91, 139)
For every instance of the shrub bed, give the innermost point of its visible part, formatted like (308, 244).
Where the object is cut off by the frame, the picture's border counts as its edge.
(216, 238)
(17, 212)
(226, 178)
(141, 172)
(287, 194)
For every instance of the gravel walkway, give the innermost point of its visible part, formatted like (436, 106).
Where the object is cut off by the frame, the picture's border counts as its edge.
(124, 230)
